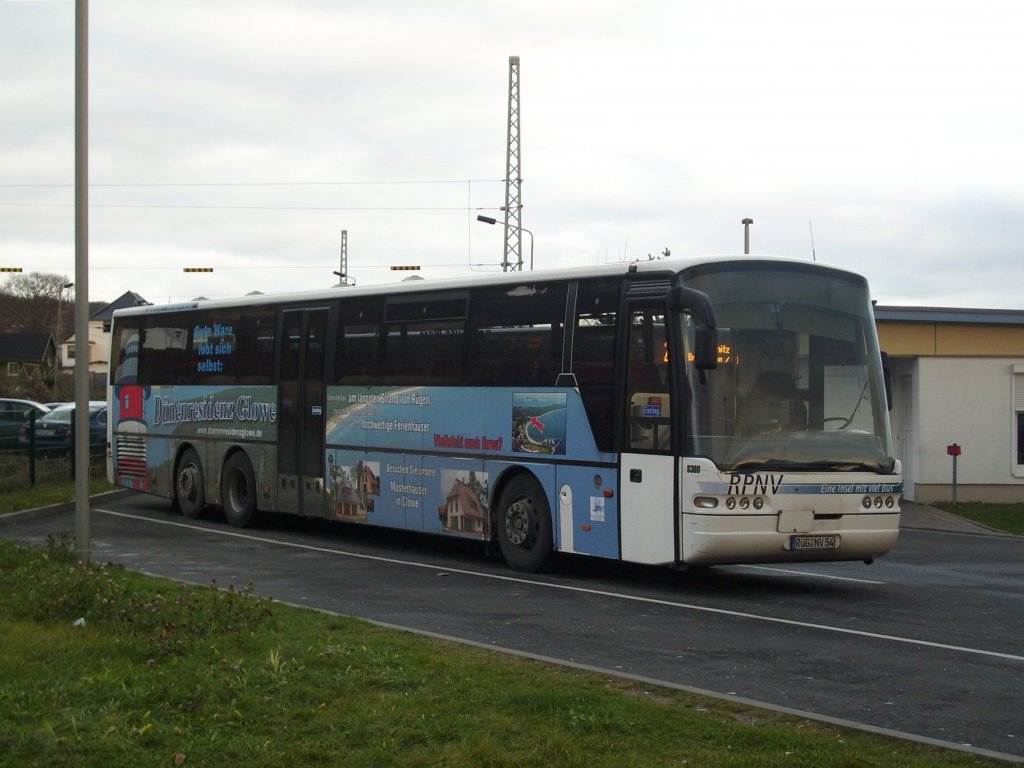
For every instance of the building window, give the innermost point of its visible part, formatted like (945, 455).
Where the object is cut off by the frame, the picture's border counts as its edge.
(1018, 420)
(1020, 439)
(71, 351)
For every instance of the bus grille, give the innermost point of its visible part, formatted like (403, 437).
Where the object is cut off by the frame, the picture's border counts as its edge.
(131, 462)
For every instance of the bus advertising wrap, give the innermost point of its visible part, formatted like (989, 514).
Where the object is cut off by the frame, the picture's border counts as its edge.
(183, 412)
(423, 458)
(248, 413)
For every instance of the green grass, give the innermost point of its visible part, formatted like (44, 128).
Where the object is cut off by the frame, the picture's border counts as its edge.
(167, 674)
(46, 493)
(1002, 517)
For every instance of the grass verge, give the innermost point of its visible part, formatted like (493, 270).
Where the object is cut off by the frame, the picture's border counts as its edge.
(1002, 517)
(162, 674)
(45, 494)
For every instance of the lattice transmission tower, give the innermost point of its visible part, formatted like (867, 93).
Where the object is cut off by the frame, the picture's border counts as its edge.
(343, 276)
(513, 258)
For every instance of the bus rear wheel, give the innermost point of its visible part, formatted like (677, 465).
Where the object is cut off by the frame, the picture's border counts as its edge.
(238, 491)
(189, 485)
(524, 525)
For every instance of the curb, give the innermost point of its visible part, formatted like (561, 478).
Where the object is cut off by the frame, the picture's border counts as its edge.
(991, 533)
(13, 518)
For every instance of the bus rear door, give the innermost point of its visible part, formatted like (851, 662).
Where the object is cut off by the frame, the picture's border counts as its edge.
(301, 401)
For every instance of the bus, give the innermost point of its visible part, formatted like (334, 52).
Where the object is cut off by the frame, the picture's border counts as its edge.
(679, 412)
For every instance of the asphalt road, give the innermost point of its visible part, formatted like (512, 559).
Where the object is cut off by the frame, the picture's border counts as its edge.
(925, 642)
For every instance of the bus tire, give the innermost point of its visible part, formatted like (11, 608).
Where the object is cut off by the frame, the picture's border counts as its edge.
(238, 490)
(524, 525)
(190, 485)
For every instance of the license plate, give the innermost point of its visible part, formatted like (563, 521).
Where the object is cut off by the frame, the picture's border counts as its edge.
(813, 542)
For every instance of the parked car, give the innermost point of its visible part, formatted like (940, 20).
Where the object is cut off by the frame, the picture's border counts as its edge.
(53, 429)
(14, 413)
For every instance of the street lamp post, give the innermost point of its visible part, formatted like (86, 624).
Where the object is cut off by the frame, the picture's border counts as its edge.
(746, 234)
(64, 288)
(60, 349)
(491, 220)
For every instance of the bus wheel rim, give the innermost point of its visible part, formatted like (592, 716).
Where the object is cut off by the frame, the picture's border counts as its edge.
(518, 521)
(187, 482)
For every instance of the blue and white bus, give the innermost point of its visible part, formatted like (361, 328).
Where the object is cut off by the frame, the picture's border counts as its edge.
(684, 412)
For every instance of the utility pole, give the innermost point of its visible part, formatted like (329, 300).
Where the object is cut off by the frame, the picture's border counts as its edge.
(513, 258)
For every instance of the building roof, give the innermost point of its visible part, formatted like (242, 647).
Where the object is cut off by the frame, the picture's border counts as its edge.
(25, 347)
(949, 315)
(127, 299)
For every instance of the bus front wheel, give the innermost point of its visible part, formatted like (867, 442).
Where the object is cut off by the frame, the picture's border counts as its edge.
(524, 525)
(189, 485)
(238, 491)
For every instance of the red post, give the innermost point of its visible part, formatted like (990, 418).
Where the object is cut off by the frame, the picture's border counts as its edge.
(954, 451)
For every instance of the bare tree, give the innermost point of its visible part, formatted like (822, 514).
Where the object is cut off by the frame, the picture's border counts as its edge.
(28, 302)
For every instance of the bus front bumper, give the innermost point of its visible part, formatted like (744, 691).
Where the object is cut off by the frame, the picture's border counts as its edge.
(724, 539)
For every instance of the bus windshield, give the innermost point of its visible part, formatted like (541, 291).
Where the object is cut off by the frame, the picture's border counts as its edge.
(798, 383)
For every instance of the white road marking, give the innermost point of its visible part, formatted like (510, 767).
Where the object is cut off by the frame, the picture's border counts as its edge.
(570, 588)
(808, 574)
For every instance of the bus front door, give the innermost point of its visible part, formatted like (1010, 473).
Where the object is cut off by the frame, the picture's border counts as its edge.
(301, 396)
(647, 465)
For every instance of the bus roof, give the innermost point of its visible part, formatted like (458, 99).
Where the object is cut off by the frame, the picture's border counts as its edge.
(672, 265)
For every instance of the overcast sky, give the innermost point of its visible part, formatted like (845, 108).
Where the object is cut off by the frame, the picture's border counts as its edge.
(245, 136)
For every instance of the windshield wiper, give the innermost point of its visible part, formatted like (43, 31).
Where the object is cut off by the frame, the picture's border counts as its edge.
(817, 466)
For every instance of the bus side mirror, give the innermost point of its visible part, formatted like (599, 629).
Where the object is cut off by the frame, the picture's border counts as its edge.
(705, 341)
(887, 377)
(693, 301)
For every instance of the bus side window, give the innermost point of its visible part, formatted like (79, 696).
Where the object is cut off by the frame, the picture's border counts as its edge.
(126, 348)
(516, 335)
(254, 359)
(164, 353)
(594, 355)
(358, 339)
(423, 340)
(423, 353)
(214, 349)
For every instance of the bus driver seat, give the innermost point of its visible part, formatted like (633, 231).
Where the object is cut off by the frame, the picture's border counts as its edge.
(773, 405)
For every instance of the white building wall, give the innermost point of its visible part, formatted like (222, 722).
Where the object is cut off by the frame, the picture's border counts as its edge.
(99, 349)
(966, 401)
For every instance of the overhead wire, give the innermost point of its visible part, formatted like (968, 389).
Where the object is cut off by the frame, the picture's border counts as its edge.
(381, 182)
(251, 207)
(240, 184)
(260, 184)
